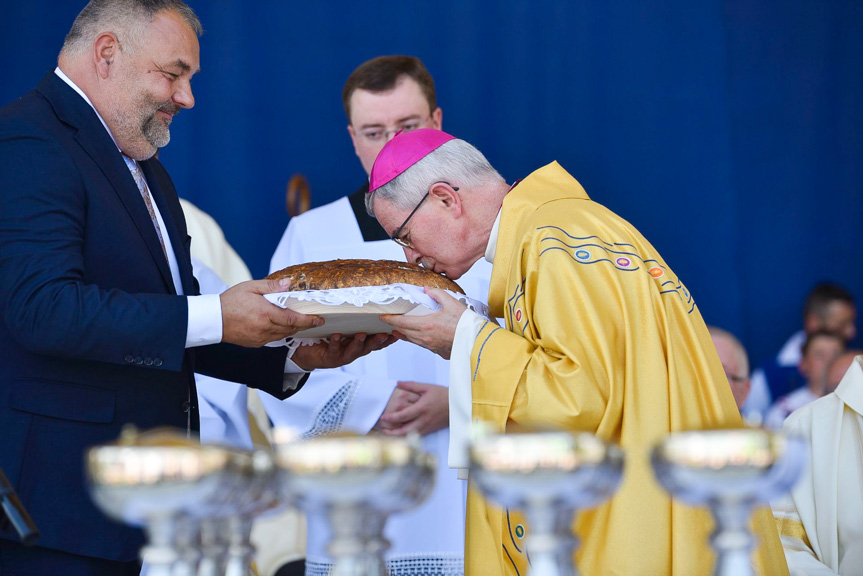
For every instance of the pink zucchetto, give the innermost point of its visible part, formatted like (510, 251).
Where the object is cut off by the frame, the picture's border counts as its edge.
(402, 152)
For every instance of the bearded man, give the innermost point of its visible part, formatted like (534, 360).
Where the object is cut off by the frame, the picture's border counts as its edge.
(102, 320)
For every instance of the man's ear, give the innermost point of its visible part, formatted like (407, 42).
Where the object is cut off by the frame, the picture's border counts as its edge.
(353, 134)
(105, 49)
(437, 118)
(448, 196)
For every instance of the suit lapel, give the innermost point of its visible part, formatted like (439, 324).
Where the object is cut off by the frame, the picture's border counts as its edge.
(97, 143)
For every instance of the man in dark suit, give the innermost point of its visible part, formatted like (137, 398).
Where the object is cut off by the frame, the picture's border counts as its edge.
(102, 324)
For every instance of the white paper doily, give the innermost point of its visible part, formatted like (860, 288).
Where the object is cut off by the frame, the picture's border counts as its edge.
(353, 310)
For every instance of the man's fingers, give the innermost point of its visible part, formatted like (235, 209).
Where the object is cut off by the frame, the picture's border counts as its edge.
(288, 318)
(439, 295)
(411, 426)
(406, 414)
(415, 387)
(272, 285)
(267, 286)
(397, 320)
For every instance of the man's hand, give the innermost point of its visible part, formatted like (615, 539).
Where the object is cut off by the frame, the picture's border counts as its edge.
(434, 332)
(340, 350)
(398, 400)
(429, 413)
(250, 320)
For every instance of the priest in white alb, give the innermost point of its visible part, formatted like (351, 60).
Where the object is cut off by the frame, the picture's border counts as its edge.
(821, 520)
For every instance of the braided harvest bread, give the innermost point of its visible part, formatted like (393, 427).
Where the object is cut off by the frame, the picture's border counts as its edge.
(352, 273)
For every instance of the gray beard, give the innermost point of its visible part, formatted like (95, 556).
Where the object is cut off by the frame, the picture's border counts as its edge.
(156, 132)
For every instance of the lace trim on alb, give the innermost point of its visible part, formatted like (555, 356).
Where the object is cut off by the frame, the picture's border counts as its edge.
(331, 416)
(439, 565)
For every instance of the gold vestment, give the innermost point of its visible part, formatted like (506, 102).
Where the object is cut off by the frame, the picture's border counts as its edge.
(601, 336)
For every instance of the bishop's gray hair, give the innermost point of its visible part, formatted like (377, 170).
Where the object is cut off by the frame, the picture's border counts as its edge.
(455, 162)
(126, 19)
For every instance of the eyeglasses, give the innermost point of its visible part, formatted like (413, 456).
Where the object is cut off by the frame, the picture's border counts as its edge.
(396, 235)
(376, 135)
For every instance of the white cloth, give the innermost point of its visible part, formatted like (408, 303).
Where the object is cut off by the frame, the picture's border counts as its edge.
(792, 401)
(430, 538)
(461, 392)
(759, 398)
(828, 501)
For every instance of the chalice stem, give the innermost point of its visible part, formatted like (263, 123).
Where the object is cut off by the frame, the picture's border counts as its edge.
(550, 542)
(240, 549)
(732, 539)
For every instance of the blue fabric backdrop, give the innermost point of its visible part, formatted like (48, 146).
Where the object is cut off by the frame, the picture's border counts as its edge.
(729, 132)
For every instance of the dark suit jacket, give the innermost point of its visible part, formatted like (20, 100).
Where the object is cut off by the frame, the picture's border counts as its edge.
(92, 334)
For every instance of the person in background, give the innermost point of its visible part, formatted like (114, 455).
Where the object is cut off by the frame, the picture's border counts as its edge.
(601, 336)
(818, 352)
(828, 307)
(404, 388)
(211, 248)
(734, 360)
(103, 324)
(820, 521)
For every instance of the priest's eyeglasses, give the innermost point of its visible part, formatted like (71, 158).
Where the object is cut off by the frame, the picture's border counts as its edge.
(377, 135)
(396, 235)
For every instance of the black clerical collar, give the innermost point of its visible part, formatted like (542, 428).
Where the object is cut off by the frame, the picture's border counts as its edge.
(369, 227)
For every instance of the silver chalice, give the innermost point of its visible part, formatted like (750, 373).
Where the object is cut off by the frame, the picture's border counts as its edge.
(549, 476)
(731, 472)
(356, 482)
(172, 486)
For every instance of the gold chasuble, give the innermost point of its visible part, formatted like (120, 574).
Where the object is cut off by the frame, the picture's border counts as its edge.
(601, 336)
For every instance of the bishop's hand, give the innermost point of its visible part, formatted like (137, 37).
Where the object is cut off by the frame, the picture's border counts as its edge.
(435, 331)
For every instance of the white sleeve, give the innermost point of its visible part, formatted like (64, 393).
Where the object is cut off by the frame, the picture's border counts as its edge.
(331, 401)
(798, 543)
(205, 311)
(460, 391)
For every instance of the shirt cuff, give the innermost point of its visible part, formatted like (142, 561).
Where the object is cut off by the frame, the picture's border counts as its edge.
(293, 373)
(460, 393)
(205, 320)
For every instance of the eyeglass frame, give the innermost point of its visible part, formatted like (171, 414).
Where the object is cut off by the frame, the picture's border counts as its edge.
(386, 133)
(395, 236)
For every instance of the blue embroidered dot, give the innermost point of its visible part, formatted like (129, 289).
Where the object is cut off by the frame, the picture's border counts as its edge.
(519, 531)
(582, 254)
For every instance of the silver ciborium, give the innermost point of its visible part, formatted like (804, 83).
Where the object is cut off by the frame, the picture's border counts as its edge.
(169, 484)
(549, 476)
(731, 472)
(356, 482)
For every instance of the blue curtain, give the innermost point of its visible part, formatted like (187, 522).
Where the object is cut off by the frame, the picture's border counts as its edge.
(729, 132)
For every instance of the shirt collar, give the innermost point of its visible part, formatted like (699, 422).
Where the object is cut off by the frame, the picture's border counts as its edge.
(73, 86)
(850, 389)
(492, 239)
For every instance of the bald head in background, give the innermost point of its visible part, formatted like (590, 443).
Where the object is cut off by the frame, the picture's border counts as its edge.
(734, 360)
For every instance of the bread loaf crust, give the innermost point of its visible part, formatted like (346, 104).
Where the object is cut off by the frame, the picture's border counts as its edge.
(353, 273)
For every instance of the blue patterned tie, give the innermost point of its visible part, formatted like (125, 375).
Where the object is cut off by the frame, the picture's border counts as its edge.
(138, 175)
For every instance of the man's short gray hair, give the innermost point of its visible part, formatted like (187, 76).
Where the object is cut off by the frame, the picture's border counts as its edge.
(455, 162)
(126, 19)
